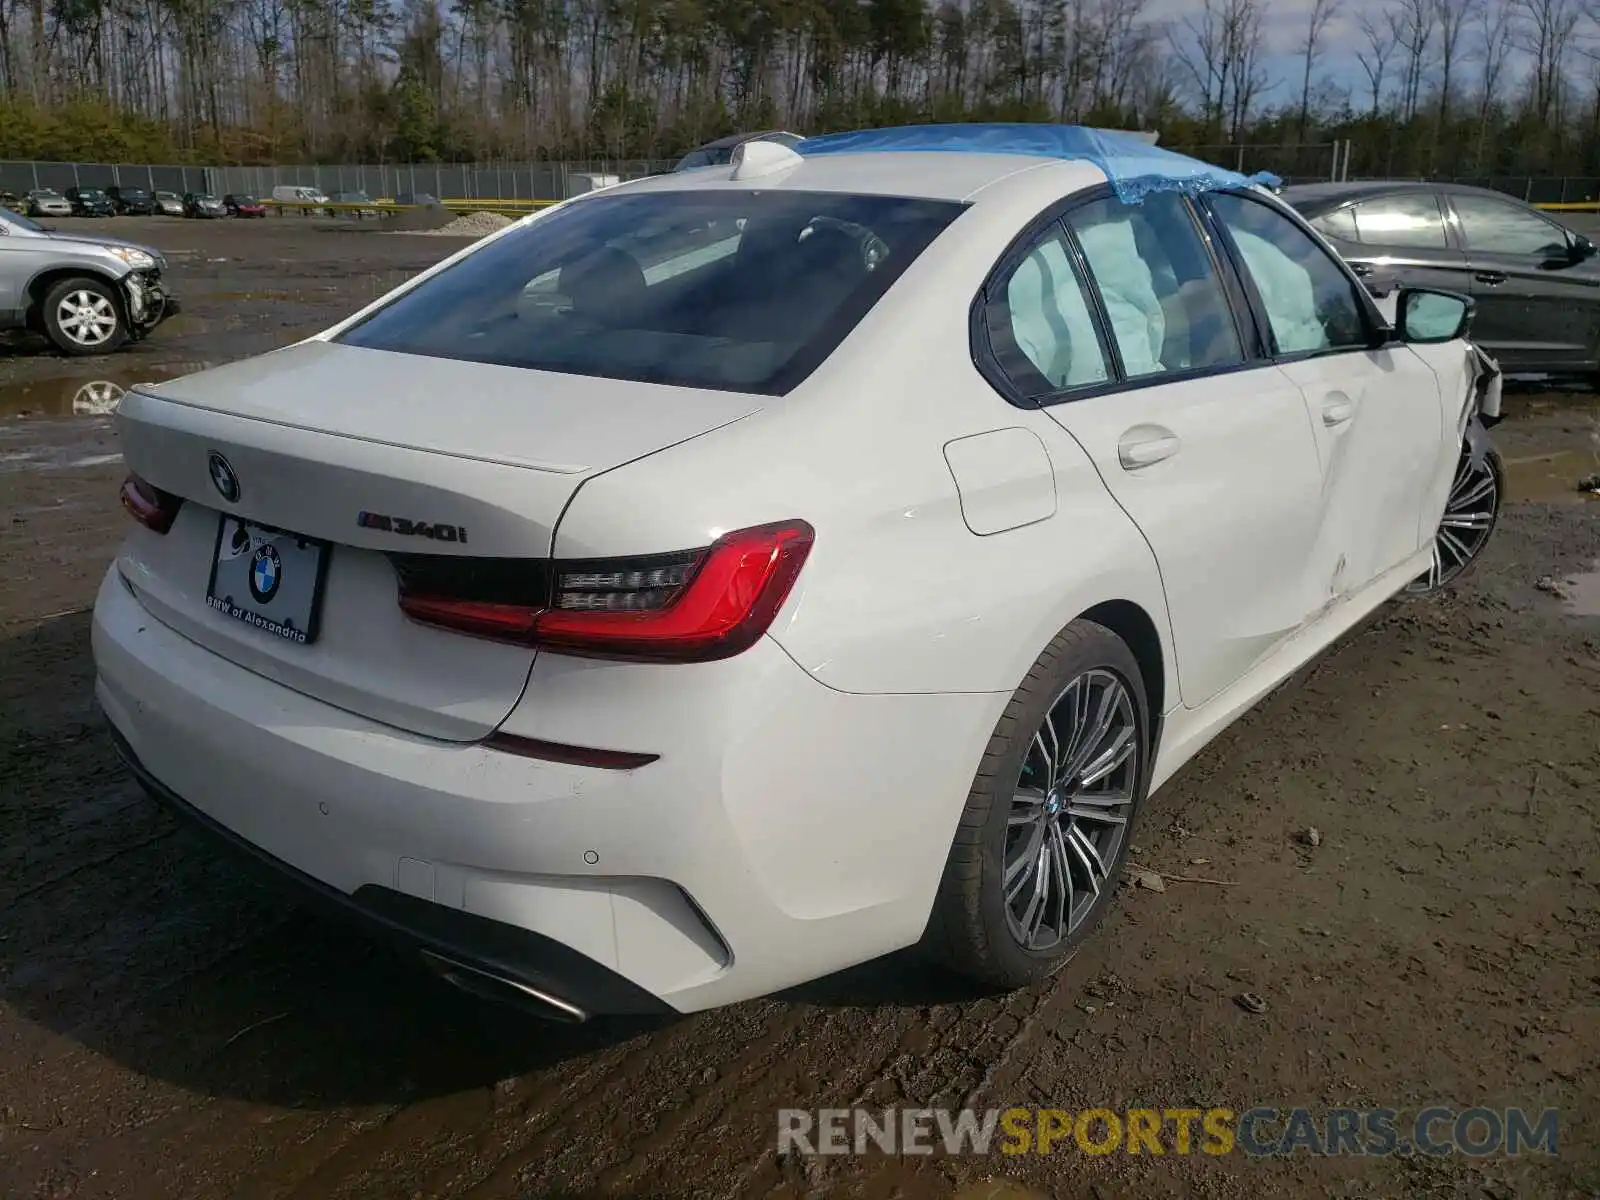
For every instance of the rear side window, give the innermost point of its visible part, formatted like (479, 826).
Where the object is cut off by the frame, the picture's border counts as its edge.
(1412, 220)
(1043, 333)
(742, 291)
(1167, 307)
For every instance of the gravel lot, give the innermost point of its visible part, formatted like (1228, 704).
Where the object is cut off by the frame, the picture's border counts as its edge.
(167, 1030)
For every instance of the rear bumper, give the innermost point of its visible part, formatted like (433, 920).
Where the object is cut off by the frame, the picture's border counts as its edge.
(542, 975)
(787, 831)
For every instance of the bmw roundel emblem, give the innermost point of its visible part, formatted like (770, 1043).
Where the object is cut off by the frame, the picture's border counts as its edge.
(223, 478)
(266, 573)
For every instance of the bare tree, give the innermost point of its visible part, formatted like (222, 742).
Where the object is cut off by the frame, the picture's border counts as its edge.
(373, 80)
(1322, 13)
(1221, 52)
(1200, 47)
(1375, 58)
(1411, 29)
(8, 77)
(1453, 17)
(1496, 22)
(1544, 33)
(1127, 46)
(1250, 76)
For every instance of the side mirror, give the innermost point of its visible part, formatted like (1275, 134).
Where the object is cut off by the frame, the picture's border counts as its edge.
(1425, 315)
(1582, 248)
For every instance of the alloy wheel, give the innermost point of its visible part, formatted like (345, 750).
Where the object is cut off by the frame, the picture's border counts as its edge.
(86, 317)
(1070, 809)
(1469, 516)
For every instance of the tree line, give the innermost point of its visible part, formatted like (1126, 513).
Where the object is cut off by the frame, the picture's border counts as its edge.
(1437, 87)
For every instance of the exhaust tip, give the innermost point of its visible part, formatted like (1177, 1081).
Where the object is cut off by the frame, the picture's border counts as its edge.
(488, 985)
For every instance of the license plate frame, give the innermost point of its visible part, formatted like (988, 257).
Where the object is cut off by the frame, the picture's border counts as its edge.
(299, 620)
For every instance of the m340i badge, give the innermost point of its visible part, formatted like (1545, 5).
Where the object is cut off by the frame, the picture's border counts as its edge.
(438, 531)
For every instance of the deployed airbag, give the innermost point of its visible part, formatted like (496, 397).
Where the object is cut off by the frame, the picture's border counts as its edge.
(1287, 291)
(1138, 322)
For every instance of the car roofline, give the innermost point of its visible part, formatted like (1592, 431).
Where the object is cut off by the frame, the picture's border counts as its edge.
(993, 151)
(1324, 197)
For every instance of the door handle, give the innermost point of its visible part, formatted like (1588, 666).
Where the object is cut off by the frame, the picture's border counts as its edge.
(1489, 276)
(1336, 410)
(1146, 444)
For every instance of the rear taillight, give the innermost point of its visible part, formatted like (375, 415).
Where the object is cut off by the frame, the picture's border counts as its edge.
(691, 607)
(149, 505)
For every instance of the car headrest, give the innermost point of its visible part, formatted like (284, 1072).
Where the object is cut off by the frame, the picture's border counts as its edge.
(603, 283)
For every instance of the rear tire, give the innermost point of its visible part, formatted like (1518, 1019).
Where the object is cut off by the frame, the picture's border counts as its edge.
(1045, 832)
(83, 315)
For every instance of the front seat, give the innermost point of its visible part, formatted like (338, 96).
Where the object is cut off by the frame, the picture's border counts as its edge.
(606, 287)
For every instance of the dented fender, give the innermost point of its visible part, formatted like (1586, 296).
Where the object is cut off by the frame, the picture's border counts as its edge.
(1481, 410)
(145, 300)
(1487, 388)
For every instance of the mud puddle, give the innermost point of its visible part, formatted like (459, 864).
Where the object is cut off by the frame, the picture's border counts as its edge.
(85, 395)
(1550, 478)
(1581, 593)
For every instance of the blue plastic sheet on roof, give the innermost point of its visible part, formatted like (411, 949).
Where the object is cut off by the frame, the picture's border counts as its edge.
(1134, 167)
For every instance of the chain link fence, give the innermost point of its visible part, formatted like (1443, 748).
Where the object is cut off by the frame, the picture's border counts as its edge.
(24, 177)
(443, 181)
(557, 180)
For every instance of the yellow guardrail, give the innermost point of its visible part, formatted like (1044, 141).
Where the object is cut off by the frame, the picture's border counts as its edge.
(1572, 206)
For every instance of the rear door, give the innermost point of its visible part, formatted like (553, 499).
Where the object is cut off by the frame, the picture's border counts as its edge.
(1537, 309)
(1374, 412)
(1119, 321)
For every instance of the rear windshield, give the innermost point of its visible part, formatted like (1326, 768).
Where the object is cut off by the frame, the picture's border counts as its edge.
(741, 291)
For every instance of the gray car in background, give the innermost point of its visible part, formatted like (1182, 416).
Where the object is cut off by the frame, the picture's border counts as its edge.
(1536, 283)
(47, 202)
(87, 293)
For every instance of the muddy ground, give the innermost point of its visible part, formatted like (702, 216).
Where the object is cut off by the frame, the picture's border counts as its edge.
(170, 1030)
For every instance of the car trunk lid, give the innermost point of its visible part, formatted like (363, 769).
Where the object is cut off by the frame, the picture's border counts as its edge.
(389, 459)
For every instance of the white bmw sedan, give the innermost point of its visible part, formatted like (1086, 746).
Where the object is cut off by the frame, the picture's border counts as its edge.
(728, 577)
